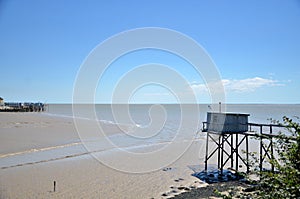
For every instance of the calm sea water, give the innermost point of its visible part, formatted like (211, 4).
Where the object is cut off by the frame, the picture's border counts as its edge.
(175, 118)
(179, 125)
(259, 113)
(141, 117)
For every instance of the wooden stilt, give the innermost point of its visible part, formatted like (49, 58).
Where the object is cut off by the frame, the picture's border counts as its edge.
(236, 152)
(231, 147)
(219, 152)
(261, 150)
(206, 151)
(247, 154)
(222, 154)
(272, 155)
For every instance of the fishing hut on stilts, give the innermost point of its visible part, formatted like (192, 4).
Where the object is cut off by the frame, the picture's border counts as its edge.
(228, 135)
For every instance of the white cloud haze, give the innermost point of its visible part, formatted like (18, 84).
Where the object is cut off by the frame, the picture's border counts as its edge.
(242, 85)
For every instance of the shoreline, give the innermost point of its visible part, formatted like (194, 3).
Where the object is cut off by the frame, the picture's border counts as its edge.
(78, 175)
(43, 148)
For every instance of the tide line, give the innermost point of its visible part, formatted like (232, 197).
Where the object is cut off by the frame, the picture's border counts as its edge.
(38, 150)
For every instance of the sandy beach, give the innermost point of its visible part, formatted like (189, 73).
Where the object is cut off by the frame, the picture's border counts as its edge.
(38, 149)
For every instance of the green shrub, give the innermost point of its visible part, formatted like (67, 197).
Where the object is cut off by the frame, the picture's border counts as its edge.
(285, 182)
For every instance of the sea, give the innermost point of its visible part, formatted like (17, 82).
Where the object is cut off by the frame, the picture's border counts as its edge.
(140, 113)
(153, 124)
(148, 126)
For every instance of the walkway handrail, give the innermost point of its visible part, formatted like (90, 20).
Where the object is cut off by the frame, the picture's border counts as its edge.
(273, 125)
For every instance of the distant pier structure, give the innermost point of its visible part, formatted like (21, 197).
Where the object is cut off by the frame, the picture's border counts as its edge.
(229, 134)
(21, 107)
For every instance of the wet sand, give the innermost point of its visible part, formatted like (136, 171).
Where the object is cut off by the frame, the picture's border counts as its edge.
(37, 149)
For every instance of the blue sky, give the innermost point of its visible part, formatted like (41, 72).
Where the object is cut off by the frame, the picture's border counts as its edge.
(254, 44)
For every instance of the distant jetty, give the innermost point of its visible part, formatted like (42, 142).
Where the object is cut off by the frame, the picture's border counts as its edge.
(21, 107)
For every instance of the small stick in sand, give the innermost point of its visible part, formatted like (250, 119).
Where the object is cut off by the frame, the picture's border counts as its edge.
(54, 186)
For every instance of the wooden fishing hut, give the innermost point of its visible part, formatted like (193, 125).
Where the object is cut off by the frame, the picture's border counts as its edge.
(228, 132)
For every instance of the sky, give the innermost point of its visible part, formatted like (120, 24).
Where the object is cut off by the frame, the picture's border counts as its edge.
(255, 46)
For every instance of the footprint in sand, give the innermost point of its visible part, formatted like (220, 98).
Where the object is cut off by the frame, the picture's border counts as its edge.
(179, 179)
(164, 194)
(167, 169)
